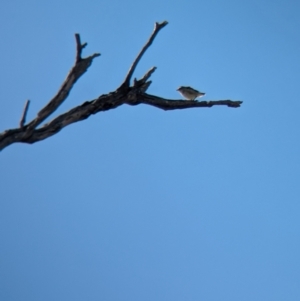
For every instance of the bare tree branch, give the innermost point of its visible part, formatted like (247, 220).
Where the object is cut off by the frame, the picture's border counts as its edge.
(157, 28)
(23, 118)
(104, 103)
(80, 67)
(126, 94)
(170, 104)
(79, 47)
(142, 85)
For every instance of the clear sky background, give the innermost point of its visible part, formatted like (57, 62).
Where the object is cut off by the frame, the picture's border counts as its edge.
(142, 204)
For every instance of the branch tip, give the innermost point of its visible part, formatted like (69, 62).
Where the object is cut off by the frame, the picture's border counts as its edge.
(23, 118)
(157, 28)
(161, 25)
(77, 39)
(148, 73)
(95, 55)
(79, 47)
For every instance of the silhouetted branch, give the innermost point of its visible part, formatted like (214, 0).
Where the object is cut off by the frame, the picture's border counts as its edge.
(79, 47)
(142, 85)
(23, 118)
(80, 67)
(157, 28)
(170, 104)
(125, 94)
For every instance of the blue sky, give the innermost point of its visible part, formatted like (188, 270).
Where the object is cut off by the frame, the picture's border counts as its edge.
(141, 204)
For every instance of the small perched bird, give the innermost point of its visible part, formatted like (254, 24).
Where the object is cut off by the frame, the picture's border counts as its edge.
(189, 93)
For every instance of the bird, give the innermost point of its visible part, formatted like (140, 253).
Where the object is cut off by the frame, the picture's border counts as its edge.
(189, 93)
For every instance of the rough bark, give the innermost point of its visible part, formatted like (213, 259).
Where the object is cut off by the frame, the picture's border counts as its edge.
(126, 94)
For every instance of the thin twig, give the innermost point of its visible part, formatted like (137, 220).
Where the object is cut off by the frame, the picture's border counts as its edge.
(79, 47)
(142, 84)
(144, 78)
(23, 118)
(157, 28)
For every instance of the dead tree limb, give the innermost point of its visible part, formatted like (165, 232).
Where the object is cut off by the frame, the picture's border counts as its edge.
(157, 28)
(23, 118)
(126, 94)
